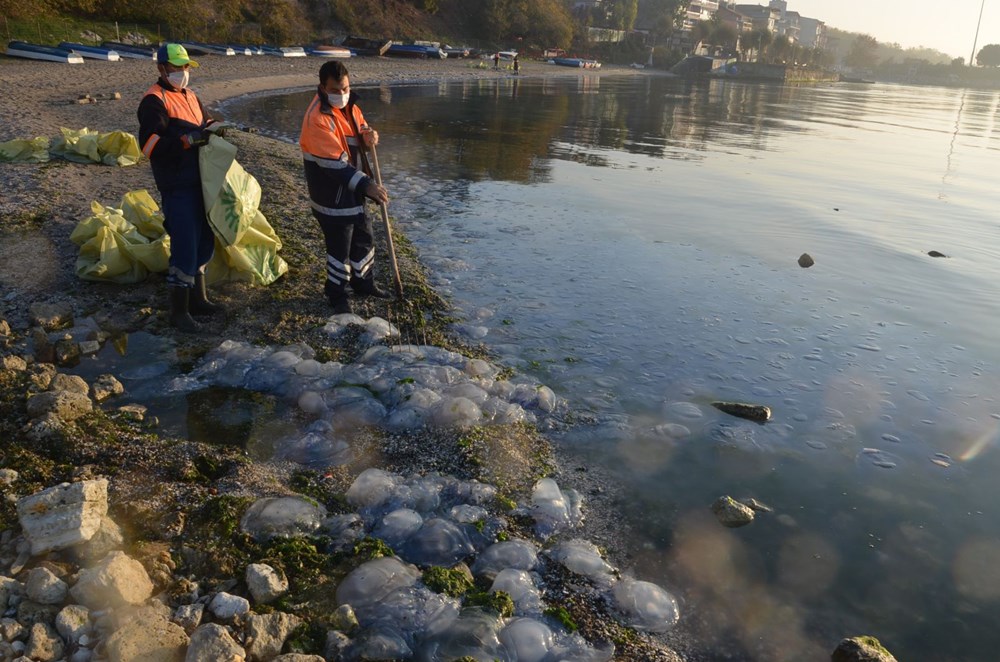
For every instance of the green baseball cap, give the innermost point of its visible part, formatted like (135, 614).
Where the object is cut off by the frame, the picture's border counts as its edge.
(175, 54)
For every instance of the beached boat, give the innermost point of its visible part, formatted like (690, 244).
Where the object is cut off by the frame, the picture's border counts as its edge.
(457, 51)
(284, 51)
(215, 49)
(415, 51)
(508, 55)
(47, 53)
(130, 50)
(365, 46)
(91, 52)
(240, 49)
(574, 62)
(330, 51)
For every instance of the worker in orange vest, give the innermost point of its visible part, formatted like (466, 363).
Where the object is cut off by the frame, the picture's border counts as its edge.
(172, 126)
(334, 132)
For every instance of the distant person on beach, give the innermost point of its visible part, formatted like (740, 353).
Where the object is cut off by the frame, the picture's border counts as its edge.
(517, 65)
(338, 185)
(172, 126)
(496, 61)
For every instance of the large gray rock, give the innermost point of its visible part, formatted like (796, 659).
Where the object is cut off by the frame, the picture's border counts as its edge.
(44, 587)
(117, 580)
(11, 630)
(189, 616)
(71, 383)
(67, 405)
(227, 607)
(44, 644)
(147, 638)
(64, 515)
(212, 643)
(266, 634)
(106, 386)
(107, 539)
(72, 623)
(265, 583)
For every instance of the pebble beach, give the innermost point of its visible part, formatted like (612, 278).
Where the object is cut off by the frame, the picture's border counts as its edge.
(167, 496)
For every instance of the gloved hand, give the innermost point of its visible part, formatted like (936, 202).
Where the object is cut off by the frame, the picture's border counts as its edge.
(194, 139)
(218, 128)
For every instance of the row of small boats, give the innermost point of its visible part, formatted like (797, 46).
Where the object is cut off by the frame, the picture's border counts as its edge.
(75, 53)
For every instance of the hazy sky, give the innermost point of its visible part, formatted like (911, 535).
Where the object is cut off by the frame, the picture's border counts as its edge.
(949, 26)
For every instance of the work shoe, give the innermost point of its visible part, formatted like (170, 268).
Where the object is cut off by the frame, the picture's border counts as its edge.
(180, 315)
(199, 303)
(369, 288)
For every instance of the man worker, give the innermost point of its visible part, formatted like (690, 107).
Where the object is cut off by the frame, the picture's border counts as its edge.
(334, 133)
(172, 126)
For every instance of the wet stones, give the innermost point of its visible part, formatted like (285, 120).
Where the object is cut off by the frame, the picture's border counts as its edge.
(861, 649)
(806, 261)
(63, 516)
(51, 316)
(731, 513)
(105, 387)
(756, 413)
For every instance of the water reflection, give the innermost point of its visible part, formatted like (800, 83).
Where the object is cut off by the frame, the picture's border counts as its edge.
(632, 243)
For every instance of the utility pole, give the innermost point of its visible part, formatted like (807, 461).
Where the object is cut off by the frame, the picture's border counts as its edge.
(972, 58)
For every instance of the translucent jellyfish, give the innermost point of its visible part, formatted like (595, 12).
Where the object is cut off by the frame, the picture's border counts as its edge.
(311, 402)
(437, 542)
(372, 487)
(397, 526)
(517, 554)
(372, 581)
(281, 517)
(466, 514)
(344, 530)
(358, 413)
(574, 648)
(377, 643)
(377, 329)
(526, 639)
(481, 369)
(475, 633)
(522, 589)
(308, 368)
(554, 510)
(413, 611)
(469, 391)
(336, 324)
(471, 491)
(583, 558)
(456, 412)
(318, 446)
(407, 418)
(646, 605)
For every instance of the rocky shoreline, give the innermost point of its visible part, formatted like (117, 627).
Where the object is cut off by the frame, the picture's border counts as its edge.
(155, 559)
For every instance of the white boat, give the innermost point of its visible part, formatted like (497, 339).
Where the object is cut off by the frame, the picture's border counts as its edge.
(38, 52)
(130, 51)
(284, 51)
(330, 52)
(91, 52)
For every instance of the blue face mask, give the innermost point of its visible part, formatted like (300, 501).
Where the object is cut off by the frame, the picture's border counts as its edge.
(338, 100)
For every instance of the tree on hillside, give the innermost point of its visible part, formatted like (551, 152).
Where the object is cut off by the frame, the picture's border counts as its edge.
(664, 17)
(623, 13)
(863, 52)
(989, 56)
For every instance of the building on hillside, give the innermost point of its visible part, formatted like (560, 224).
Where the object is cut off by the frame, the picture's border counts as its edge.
(812, 33)
(763, 18)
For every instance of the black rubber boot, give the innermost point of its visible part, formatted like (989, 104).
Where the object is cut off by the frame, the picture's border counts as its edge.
(200, 305)
(180, 316)
(369, 288)
(341, 305)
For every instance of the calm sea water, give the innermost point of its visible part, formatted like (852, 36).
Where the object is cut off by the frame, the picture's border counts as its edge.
(632, 242)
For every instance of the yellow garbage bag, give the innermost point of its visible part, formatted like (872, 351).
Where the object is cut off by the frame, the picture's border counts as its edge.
(141, 210)
(35, 150)
(113, 249)
(254, 259)
(86, 146)
(231, 195)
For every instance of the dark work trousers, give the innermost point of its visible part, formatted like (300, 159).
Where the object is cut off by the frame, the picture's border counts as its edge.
(350, 254)
(191, 240)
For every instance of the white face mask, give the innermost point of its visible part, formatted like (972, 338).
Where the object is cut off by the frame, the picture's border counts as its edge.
(338, 100)
(179, 79)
